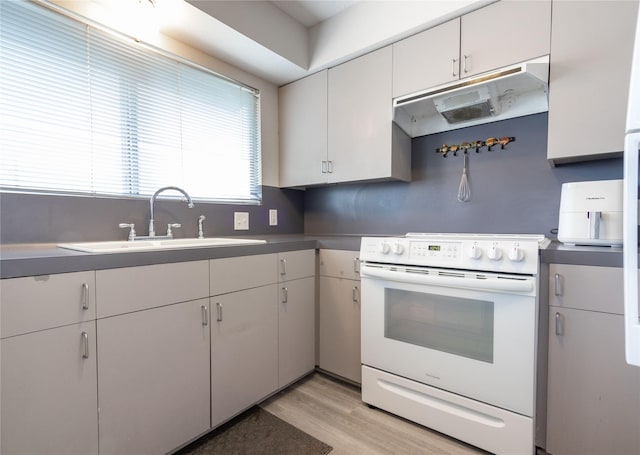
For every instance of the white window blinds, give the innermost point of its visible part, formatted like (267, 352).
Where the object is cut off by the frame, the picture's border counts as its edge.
(85, 112)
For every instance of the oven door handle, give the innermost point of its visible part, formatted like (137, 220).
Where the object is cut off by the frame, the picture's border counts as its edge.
(495, 284)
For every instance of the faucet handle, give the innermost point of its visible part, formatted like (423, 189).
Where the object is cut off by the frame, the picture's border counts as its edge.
(132, 230)
(172, 225)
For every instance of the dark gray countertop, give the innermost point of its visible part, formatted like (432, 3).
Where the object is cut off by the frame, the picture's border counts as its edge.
(42, 259)
(20, 260)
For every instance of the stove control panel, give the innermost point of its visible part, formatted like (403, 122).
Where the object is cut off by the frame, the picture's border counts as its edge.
(515, 254)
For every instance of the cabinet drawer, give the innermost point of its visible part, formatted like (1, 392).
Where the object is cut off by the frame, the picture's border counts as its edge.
(586, 287)
(42, 302)
(124, 290)
(340, 264)
(296, 264)
(244, 272)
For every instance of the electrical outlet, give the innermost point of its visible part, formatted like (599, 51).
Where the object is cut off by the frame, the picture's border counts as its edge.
(273, 217)
(241, 221)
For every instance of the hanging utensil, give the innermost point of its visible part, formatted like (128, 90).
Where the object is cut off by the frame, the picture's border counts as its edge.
(464, 191)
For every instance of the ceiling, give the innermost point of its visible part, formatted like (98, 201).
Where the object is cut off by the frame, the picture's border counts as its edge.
(312, 12)
(278, 41)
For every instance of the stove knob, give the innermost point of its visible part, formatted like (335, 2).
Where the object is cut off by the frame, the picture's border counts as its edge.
(475, 252)
(384, 248)
(516, 254)
(397, 248)
(495, 253)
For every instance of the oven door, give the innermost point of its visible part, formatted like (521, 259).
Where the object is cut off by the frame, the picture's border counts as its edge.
(469, 333)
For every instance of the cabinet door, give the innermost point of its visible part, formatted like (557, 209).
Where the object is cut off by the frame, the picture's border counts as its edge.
(360, 118)
(297, 264)
(427, 59)
(340, 264)
(129, 289)
(244, 350)
(340, 327)
(591, 48)
(593, 395)
(586, 287)
(43, 302)
(504, 33)
(49, 392)
(296, 330)
(153, 367)
(303, 131)
(242, 272)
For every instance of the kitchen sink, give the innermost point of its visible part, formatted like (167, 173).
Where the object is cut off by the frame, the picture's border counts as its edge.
(124, 246)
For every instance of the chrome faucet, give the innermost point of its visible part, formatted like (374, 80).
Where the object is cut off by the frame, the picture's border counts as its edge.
(152, 230)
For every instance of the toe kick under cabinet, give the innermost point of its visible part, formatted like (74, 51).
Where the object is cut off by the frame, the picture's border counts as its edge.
(593, 402)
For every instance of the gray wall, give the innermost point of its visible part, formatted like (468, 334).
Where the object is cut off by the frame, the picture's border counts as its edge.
(31, 218)
(512, 191)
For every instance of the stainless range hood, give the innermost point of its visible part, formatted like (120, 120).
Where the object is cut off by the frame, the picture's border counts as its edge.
(509, 92)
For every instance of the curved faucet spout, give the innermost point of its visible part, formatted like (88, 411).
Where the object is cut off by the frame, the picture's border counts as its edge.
(152, 231)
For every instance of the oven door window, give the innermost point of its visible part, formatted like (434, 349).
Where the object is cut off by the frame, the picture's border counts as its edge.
(454, 325)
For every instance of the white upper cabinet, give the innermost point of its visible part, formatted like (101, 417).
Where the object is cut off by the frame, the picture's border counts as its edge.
(427, 59)
(303, 131)
(497, 35)
(591, 48)
(504, 33)
(364, 143)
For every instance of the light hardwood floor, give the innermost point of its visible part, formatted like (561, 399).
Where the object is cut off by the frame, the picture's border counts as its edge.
(333, 412)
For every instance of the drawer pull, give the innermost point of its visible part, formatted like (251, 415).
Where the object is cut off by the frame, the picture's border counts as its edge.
(559, 324)
(219, 311)
(85, 345)
(85, 296)
(283, 267)
(356, 265)
(285, 295)
(205, 315)
(558, 285)
(356, 294)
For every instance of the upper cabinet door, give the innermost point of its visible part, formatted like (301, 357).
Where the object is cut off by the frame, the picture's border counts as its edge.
(504, 33)
(303, 131)
(427, 59)
(592, 45)
(362, 143)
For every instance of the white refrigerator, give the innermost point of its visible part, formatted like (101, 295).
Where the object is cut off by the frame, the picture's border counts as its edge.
(631, 151)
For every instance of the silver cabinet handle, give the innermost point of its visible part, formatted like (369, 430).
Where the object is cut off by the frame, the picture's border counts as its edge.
(85, 345)
(219, 311)
(285, 295)
(558, 285)
(85, 296)
(466, 69)
(323, 167)
(356, 265)
(453, 67)
(283, 267)
(356, 294)
(330, 167)
(559, 324)
(205, 315)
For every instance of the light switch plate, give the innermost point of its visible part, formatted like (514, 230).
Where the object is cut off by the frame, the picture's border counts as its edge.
(241, 221)
(273, 217)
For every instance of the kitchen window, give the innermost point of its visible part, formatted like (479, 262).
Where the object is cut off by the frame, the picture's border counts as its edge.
(86, 111)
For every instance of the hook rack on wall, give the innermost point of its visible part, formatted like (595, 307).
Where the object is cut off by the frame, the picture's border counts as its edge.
(477, 145)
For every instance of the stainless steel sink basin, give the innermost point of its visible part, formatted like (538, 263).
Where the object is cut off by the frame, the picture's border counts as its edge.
(125, 246)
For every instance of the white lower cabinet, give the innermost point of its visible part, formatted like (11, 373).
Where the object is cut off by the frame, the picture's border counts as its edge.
(153, 369)
(339, 335)
(49, 403)
(593, 398)
(296, 330)
(244, 350)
